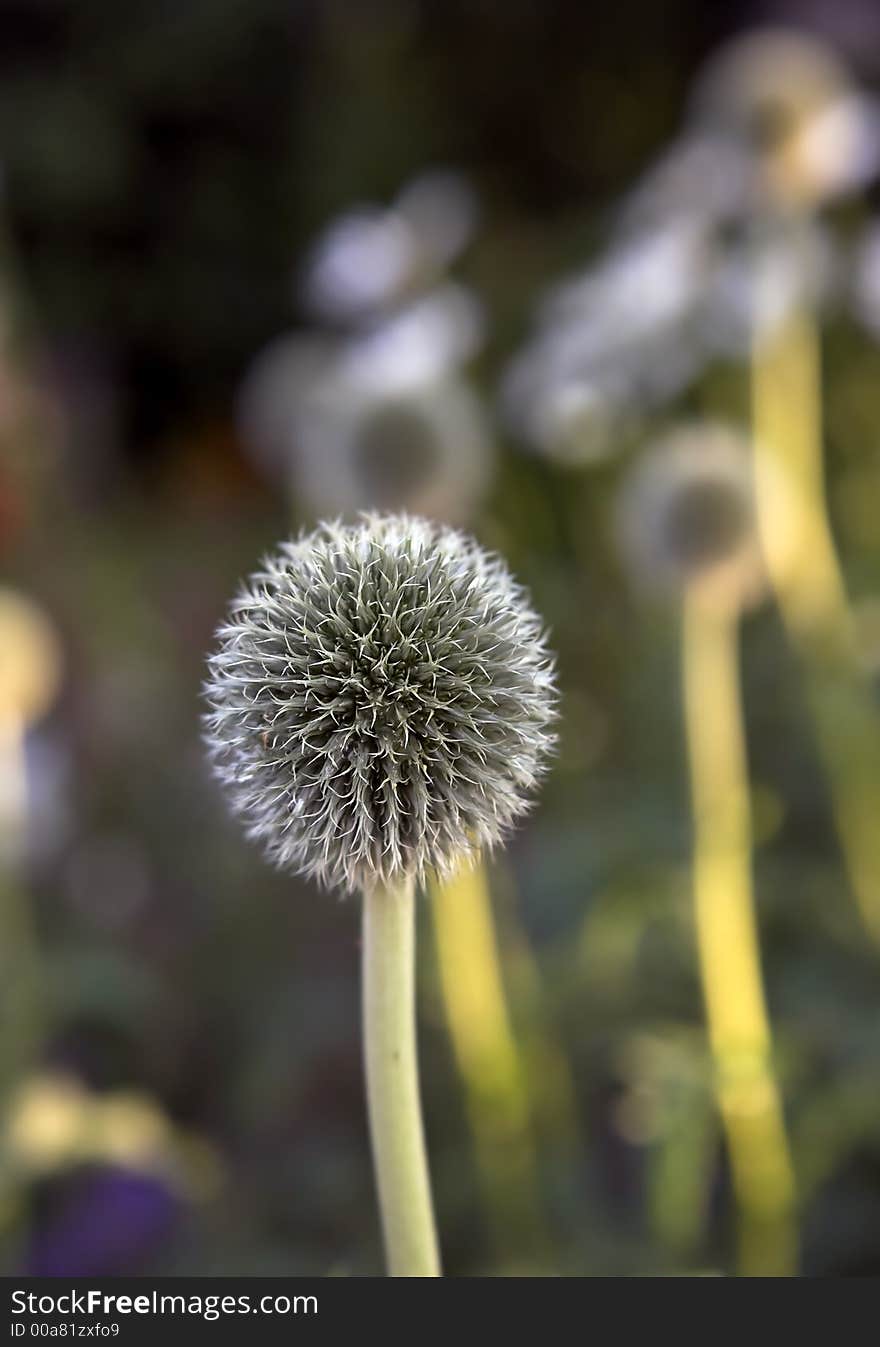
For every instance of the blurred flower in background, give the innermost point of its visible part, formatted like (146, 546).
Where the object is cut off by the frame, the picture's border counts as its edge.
(612, 345)
(368, 262)
(789, 102)
(687, 517)
(372, 411)
(775, 122)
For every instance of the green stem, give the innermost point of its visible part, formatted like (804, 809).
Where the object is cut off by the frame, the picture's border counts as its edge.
(749, 1097)
(488, 1054)
(396, 1129)
(21, 988)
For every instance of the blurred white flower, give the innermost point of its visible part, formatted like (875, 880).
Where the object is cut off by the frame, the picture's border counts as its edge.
(687, 518)
(582, 421)
(426, 449)
(359, 264)
(642, 287)
(377, 415)
(633, 332)
(441, 209)
(380, 420)
(703, 179)
(575, 417)
(610, 346)
(418, 345)
(840, 146)
(788, 100)
(372, 259)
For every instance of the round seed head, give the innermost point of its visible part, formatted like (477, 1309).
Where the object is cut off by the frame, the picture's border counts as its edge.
(381, 700)
(425, 449)
(687, 517)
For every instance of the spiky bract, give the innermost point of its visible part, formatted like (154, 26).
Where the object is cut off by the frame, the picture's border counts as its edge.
(381, 701)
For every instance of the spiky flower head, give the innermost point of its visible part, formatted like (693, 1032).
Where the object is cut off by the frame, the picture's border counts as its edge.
(380, 701)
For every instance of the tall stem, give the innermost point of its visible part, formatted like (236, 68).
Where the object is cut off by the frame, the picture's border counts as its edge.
(787, 422)
(807, 578)
(739, 1029)
(396, 1128)
(20, 983)
(487, 1053)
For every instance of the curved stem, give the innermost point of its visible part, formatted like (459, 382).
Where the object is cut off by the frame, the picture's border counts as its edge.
(396, 1128)
(786, 390)
(805, 570)
(748, 1093)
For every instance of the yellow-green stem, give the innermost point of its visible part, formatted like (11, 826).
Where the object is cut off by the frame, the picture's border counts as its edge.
(487, 1054)
(390, 1053)
(21, 984)
(807, 579)
(19, 954)
(739, 1031)
(679, 1174)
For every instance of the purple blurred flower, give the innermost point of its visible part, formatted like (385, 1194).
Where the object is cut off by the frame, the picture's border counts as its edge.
(109, 1224)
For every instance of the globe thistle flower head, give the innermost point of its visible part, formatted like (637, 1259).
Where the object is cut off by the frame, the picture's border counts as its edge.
(381, 702)
(687, 520)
